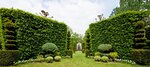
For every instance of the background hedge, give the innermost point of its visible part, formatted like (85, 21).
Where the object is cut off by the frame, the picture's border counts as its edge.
(116, 30)
(34, 31)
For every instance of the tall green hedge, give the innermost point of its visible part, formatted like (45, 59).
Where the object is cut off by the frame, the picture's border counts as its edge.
(34, 31)
(116, 30)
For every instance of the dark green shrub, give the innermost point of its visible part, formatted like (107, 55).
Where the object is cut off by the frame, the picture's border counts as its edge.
(105, 59)
(141, 56)
(97, 58)
(49, 59)
(8, 57)
(49, 47)
(104, 47)
(11, 47)
(148, 33)
(140, 25)
(57, 58)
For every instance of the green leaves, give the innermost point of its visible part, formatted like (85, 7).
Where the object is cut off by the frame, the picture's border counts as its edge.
(118, 29)
(34, 31)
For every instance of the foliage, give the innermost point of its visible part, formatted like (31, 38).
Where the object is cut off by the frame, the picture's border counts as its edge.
(118, 31)
(34, 31)
(49, 59)
(141, 56)
(68, 40)
(105, 59)
(148, 33)
(97, 53)
(104, 47)
(132, 5)
(97, 58)
(10, 38)
(8, 57)
(69, 53)
(57, 58)
(49, 47)
(113, 55)
(74, 39)
(140, 25)
(2, 45)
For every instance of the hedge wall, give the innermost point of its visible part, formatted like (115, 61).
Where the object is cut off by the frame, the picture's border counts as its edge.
(34, 31)
(116, 30)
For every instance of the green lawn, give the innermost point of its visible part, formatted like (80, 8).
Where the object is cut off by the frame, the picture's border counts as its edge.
(78, 60)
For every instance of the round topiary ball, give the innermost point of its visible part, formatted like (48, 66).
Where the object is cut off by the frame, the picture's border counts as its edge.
(50, 47)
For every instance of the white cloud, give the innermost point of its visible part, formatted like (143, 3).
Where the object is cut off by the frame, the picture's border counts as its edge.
(77, 14)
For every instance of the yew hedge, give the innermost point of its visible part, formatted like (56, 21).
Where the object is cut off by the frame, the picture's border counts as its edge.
(34, 31)
(116, 30)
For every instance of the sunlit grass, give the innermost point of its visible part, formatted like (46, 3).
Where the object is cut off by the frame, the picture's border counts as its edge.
(79, 60)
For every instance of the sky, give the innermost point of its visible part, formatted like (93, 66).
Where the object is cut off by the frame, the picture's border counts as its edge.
(77, 14)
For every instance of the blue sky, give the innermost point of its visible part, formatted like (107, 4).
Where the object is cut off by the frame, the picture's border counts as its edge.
(77, 14)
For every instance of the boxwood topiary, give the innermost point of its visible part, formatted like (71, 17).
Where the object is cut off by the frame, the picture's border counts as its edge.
(105, 59)
(97, 58)
(49, 47)
(49, 59)
(8, 57)
(57, 58)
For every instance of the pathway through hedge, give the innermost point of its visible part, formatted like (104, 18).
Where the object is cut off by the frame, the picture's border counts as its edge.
(78, 60)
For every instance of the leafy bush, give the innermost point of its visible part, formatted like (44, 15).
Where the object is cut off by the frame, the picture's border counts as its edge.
(97, 58)
(104, 47)
(105, 59)
(8, 57)
(97, 53)
(57, 58)
(33, 31)
(49, 47)
(113, 55)
(49, 59)
(39, 60)
(141, 56)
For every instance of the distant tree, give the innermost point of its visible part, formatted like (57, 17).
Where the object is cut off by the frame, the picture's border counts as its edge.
(132, 5)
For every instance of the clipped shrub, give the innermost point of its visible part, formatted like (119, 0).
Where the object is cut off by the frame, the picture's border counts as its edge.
(113, 55)
(141, 56)
(57, 58)
(97, 53)
(105, 59)
(9, 24)
(140, 25)
(39, 60)
(97, 58)
(8, 57)
(104, 47)
(49, 47)
(49, 59)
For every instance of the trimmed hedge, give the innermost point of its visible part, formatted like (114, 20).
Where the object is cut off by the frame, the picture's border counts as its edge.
(34, 31)
(119, 29)
(8, 57)
(141, 56)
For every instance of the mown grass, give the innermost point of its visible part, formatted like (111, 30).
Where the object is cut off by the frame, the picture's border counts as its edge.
(79, 60)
